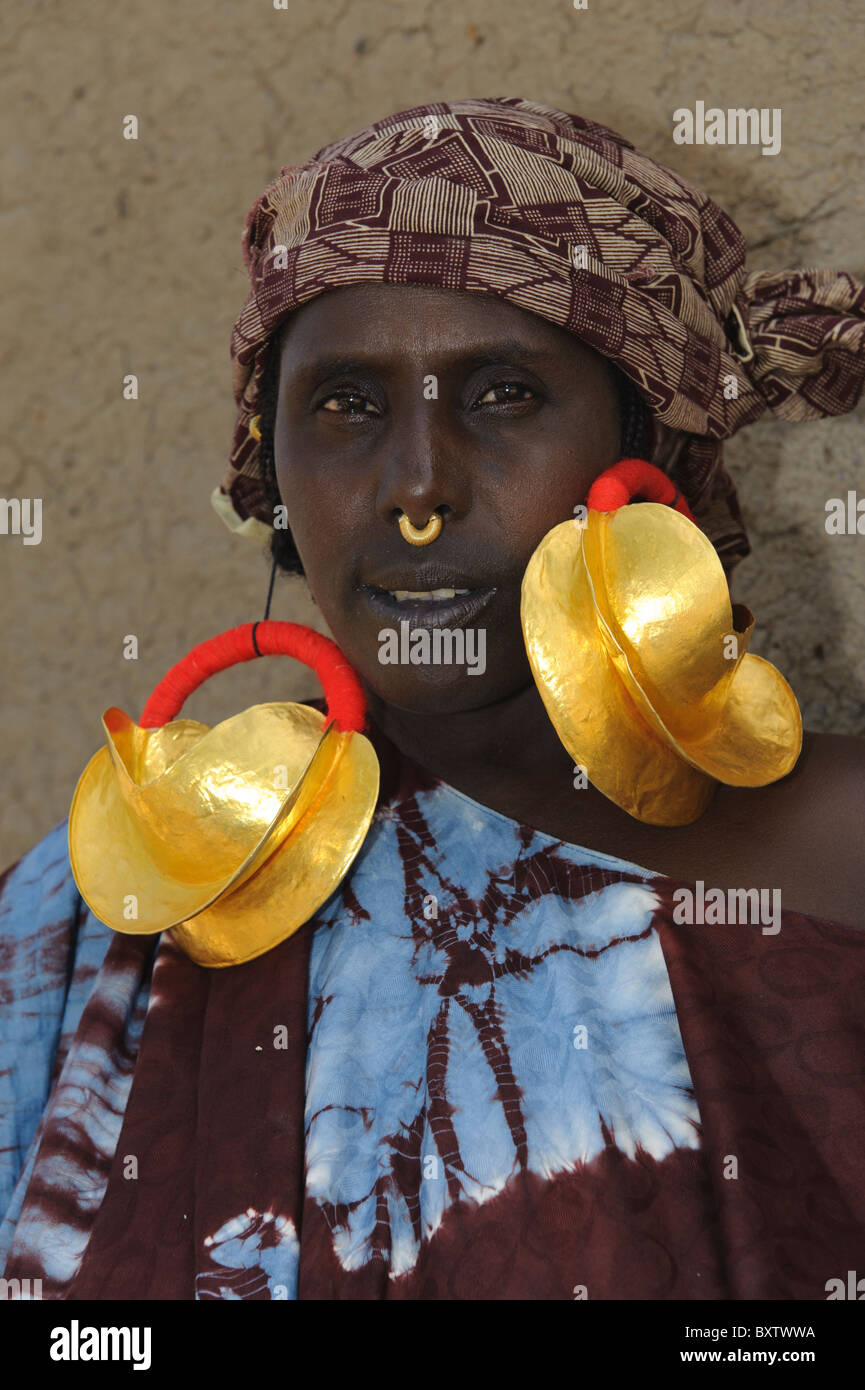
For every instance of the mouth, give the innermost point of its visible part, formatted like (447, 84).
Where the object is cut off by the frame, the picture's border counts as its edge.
(445, 606)
(433, 593)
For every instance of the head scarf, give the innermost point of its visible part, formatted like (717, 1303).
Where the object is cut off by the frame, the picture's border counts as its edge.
(565, 218)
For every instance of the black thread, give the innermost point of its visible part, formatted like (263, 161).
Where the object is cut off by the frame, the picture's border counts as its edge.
(634, 418)
(258, 651)
(270, 590)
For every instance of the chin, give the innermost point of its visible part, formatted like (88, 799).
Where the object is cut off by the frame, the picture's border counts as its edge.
(443, 690)
(452, 671)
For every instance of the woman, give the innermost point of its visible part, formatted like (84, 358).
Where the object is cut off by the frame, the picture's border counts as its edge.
(491, 1065)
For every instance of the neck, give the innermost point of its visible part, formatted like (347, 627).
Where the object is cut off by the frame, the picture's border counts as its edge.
(511, 743)
(508, 756)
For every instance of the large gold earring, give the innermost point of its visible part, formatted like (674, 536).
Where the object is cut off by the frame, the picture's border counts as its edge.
(423, 535)
(642, 660)
(229, 838)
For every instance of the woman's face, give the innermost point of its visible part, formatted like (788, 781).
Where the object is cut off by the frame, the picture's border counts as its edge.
(412, 399)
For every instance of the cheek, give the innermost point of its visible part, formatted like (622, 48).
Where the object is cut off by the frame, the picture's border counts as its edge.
(548, 497)
(598, 447)
(321, 518)
(555, 475)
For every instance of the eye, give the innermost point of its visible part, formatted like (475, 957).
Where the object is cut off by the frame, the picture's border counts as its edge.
(347, 403)
(514, 388)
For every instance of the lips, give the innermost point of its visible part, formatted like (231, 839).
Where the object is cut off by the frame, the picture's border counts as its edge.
(429, 595)
(427, 611)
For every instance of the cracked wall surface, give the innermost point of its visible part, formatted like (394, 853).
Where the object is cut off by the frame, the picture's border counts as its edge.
(125, 256)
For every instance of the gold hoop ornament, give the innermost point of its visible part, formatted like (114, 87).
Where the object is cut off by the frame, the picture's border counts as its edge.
(424, 535)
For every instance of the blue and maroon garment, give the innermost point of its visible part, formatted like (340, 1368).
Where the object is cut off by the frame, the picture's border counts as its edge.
(491, 1067)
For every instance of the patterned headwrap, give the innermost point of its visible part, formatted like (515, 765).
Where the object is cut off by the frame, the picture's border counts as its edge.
(566, 219)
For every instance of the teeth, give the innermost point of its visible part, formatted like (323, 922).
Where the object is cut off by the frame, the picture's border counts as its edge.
(401, 595)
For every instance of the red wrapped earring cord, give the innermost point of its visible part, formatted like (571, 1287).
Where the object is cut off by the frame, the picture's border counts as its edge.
(630, 479)
(346, 706)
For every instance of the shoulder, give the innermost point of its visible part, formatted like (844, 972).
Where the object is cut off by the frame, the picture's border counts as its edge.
(46, 929)
(809, 829)
(40, 909)
(826, 789)
(40, 876)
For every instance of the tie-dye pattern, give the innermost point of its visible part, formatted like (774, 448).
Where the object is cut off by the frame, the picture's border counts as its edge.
(73, 1001)
(450, 1042)
(255, 1253)
(503, 1074)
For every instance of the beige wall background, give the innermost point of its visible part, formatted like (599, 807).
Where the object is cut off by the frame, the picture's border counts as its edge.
(125, 256)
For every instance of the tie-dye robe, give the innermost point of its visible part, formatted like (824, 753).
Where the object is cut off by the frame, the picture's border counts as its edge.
(490, 1067)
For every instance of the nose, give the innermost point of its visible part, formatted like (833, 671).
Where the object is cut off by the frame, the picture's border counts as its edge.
(423, 472)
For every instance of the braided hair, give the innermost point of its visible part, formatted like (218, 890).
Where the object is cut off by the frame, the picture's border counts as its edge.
(633, 415)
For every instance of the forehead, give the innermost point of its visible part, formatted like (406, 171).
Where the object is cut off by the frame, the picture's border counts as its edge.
(420, 320)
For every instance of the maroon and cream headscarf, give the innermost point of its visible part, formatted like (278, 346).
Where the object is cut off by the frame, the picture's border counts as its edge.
(498, 195)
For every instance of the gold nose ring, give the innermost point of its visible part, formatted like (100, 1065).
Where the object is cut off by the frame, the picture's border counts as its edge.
(420, 535)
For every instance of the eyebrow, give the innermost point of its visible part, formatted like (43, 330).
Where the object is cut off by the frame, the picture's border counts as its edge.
(486, 355)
